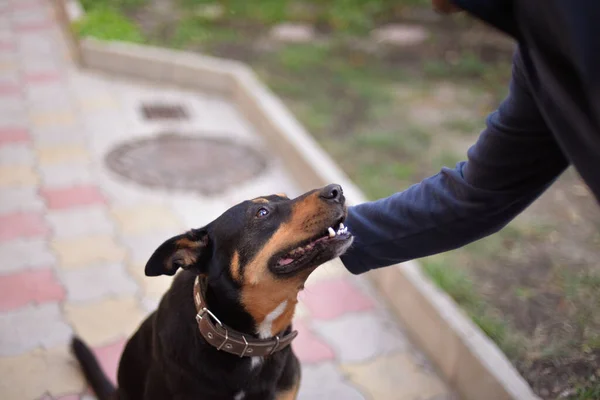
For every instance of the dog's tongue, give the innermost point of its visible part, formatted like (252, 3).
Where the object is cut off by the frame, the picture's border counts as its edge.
(285, 261)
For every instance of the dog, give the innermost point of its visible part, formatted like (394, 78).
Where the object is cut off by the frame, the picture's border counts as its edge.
(223, 329)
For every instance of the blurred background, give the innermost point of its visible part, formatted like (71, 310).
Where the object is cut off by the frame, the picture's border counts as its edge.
(393, 92)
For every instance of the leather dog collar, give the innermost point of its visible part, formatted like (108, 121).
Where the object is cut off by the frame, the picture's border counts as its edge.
(229, 340)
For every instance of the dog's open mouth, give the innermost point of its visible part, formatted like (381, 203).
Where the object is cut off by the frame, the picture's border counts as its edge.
(320, 249)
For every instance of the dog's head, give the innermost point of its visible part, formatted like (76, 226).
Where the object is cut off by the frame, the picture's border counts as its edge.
(258, 254)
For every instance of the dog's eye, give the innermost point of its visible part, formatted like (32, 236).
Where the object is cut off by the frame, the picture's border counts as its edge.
(262, 212)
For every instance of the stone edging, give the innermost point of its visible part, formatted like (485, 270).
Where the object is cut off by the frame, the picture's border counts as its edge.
(470, 362)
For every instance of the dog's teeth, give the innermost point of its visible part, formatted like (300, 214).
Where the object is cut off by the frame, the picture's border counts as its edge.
(342, 226)
(331, 232)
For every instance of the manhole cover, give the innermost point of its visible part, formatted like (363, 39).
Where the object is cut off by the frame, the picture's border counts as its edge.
(206, 165)
(163, 111)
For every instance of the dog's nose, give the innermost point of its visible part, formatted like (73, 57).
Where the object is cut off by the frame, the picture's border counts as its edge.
(332, 193)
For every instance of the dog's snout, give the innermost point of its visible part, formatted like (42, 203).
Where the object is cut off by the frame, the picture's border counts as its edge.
(332, 193)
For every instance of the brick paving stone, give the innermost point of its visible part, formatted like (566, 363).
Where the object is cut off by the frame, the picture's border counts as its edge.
(61, 154)
(327, 271)
(308, 347)
(9, 89)
(93, 283)
(22, 224)
(12, 112)
(333, 298)
(301, 311)
(64, 198)
(33, 27)
(101, 102)
(145, 218)
(31, 375)
(70, 136)
(153, 287)
(109, 357)
(394, 377)
(80, 221)
(69, 397)
(102, 322)
(20, 199)
(42, 77)
(19, 289)
(31, 326)
(87, 250)
(16, 154)
(10, 135)
(52, 119)
(25, 253)
(360, 336)
(17, 175)
(325, 381)
(65, 175)
(49, 96)
(142, 246)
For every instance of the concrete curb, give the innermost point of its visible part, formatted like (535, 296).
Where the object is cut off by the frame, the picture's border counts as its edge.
(470, 362)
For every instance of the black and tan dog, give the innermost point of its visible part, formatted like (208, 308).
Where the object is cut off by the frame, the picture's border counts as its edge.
(223, 329)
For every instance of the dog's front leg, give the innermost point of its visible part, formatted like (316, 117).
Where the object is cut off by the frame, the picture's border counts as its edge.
(289, 382)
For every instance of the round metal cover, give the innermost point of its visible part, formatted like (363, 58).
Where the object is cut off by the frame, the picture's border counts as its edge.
(169, 161)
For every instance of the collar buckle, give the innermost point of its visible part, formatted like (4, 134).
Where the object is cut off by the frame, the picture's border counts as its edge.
(204, 311)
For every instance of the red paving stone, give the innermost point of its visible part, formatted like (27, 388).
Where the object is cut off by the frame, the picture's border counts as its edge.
(333, 298)
(40, 286)
(72, 197)
(27, 5)
(69, 397)
(9, 90)
(17, 225)
(42, 77)
(34, 27)
(308, 347)
(109, 357)
(13, 135)
(6, 45)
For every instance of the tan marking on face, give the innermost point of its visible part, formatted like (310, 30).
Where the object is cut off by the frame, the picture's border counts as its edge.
(301, 226)
(190, 244)
(262, 291)
(282, 195)
(260, 200)
(234, 267)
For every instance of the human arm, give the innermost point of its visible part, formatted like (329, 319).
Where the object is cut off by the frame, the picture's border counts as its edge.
(514, 160)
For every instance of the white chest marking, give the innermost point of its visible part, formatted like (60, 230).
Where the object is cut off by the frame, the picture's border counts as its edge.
(240, 395)
(255, 362)
(265, 328)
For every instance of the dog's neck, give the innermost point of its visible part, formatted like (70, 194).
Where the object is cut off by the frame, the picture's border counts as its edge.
(231, 313)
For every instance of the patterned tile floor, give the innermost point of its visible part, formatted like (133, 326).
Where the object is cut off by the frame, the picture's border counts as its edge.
(74, 237)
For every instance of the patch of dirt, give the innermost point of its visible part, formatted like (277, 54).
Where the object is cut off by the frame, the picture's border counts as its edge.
(548, 286)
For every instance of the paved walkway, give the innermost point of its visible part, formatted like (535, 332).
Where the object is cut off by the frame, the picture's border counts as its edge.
(74, 237)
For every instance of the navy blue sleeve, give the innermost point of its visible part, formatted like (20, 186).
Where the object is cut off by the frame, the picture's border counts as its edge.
(514, 160)
(497, 13)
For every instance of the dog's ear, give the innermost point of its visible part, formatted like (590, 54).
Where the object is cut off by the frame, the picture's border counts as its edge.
(186, 251)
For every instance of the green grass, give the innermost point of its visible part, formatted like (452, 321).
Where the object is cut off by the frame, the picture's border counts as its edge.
(446, 158)
(356, 16)
(108, 24)
(466, 65)
(192, 32)
(90, 5)
(591, 392)
(444, 272)
(466, 126)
